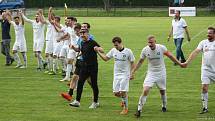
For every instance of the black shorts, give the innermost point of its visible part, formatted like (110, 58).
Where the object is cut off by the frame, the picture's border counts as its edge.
(78, 66)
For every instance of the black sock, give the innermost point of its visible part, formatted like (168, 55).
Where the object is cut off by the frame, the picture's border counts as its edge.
(70, 92)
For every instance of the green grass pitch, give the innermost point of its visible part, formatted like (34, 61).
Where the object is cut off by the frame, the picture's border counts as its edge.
(28, 95)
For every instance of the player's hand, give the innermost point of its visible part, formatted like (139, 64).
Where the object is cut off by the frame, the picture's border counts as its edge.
(168, 39)
(184, 65)
(132, 76)
(96, 48)
(50, 9)
(188, 38)
(40, 11)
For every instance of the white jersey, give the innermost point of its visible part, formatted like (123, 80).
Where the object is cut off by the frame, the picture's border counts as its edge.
(208, 57)
(49, 31)
(122, 61)
(178, 28)
(19, 33)
(57, 35)
(155, 58)
(73, 36)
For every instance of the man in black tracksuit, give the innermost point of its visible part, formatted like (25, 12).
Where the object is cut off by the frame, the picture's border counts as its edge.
(89, 68)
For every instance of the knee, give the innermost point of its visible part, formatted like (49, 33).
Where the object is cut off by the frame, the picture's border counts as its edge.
(204, 88)
(117, 94)
(70, 61)
(162, 92)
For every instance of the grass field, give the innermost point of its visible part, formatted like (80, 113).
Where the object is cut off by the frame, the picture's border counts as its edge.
(28, 95)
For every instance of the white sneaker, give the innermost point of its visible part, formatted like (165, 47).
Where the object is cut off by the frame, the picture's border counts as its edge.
(23, 67)
(94, 105)
(75, 103)
(65, 79)
(18, 66)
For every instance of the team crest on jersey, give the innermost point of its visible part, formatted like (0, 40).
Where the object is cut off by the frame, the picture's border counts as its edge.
(123, 56)
(158, 53)
(148, 55)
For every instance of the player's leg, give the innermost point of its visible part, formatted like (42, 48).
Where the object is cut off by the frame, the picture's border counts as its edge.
(204, 96)
(24, 56)
(181, 52)
(40, 60)
(84, 74)
(142, 100)
(164, 100)
(16, 55)
(161, 84)
(94, 77)
(124, 96)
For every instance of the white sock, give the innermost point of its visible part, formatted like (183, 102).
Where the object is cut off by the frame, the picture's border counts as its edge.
(205, 100)
(50, 63)
(63, 62)
(24, 56)
(55, 65)
(17, 59)
(68, 70)
(39, 60)
(164, 100)
(142, 101)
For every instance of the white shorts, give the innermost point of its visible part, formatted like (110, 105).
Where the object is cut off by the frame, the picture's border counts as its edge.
(64, 51)
(207, 77)
(72, 54)
(20, 47)
(121, 83)
(49, 47)
(158, 79)
(38, 46)
(57, 48)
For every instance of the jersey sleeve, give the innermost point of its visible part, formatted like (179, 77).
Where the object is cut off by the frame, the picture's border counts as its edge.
(131, 56)
(110, 53)
(95, 44)
(163, 48)
(200, 46)
(143, 55)
(184, 24)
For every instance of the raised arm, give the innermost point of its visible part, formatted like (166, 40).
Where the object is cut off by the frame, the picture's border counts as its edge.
(25, 18)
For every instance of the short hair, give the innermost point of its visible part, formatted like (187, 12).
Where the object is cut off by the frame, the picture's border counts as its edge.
(211, 28)
(84, 31)
(117, 39)
(178, 11)
(150, 37)
(72, 18)
(15, 17)
(77, 26)
(57, 17)
(88, 25)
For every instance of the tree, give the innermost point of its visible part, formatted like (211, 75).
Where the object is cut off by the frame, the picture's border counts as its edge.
(212, 5)
(107, 5)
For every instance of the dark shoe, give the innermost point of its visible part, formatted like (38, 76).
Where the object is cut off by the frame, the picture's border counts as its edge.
(11, 61)
(7, 64)
(183, 61)
(39, 69)
(204, 110)
(137, 114)
(44, 65)
(163, 109)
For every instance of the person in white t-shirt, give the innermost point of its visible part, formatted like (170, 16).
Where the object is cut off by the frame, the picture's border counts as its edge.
(177, 30)
(123, 64)
(38, 35)
(156, 73)
(20, 42)
(71, 39)
(207, 47)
